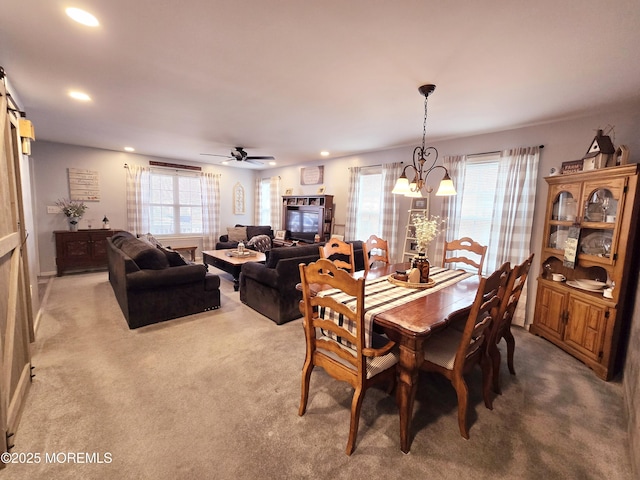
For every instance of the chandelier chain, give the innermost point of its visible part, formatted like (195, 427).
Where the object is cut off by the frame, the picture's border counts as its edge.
(424, 124)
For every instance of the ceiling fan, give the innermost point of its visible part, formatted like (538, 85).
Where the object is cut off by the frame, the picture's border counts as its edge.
(241, 155)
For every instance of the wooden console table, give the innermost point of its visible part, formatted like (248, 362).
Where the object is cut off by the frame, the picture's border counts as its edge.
(191, 250)
(81, 250)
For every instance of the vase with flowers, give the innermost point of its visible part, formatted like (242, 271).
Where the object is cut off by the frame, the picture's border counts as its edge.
(73, 210)
(426, 228)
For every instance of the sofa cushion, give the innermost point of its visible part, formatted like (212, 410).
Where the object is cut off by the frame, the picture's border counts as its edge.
(237, 234)
(260, 243)
(174, 258)
(254, 230)
(120, 237)
(292, 252)
(145, 256)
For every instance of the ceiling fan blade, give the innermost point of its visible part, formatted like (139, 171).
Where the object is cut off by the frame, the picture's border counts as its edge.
(215, 155)
(252, 160)
(253, 157)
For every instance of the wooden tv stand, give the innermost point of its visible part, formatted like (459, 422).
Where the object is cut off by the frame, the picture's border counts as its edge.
(321, 204)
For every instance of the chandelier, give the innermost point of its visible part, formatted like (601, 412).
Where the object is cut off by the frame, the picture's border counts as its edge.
(417, 168)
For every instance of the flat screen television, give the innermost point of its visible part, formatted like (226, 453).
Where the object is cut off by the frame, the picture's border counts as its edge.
(302, 224)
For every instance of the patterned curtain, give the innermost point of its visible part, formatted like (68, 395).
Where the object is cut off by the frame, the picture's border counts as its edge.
(276, 204)
(513, 216)
(257, 201)
(138, 199)
(352, 204)
(451, 206)
(514, 204)
(210, 184)
(391, 208)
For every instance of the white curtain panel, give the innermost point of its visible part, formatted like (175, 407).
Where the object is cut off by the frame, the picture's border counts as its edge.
(276, 203)
(210, 184)
(451, 206)
(513, 216)
(257, 201)
(137, 199)
(512, 221)
(352, 204)
(391, 209)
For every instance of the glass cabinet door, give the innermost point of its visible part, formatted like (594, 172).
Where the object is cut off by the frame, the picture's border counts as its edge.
(564, 211)
(601, 203)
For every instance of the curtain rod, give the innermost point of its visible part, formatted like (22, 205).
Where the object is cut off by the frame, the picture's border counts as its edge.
(496, 151)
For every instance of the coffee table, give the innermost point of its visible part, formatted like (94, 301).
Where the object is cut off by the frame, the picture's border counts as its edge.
(223, 260)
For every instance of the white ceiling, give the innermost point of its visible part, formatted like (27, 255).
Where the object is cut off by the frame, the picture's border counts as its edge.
(290, 78)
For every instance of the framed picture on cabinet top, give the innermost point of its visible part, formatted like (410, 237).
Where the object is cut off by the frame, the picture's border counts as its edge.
(280, 234)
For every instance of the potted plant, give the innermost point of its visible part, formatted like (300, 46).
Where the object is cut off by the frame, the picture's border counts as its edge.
(73, 210)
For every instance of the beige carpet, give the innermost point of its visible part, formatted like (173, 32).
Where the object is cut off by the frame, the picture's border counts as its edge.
(215, 396)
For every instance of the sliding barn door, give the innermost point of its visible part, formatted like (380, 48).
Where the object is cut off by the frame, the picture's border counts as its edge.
(16, 331)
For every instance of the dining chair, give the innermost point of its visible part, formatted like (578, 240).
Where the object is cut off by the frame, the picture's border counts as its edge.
(454, 351)
(340, 253)
(502, 324)
(375, 250)
(471, 253)
(338, 344)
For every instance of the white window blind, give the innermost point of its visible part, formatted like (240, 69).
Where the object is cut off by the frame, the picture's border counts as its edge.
(478, 197)
(175, 203)
(265, 201)
(369, 211)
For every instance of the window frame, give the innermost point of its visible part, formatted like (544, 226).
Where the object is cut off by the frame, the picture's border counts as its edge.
(177, 205)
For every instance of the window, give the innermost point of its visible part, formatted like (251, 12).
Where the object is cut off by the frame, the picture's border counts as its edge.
(369, 214)
(265, 202)
(175, 203)
(478, 197)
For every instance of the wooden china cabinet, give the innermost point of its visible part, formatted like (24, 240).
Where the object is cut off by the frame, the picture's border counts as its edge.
(600, 209)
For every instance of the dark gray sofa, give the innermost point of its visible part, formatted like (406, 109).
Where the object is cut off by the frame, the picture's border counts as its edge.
(270, 288)
(252, 231)
(153, 284)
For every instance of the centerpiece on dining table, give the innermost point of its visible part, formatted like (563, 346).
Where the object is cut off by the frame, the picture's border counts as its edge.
(426, 229)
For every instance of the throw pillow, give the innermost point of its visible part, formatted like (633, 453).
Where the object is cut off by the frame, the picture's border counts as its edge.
(145, 256)
(150, 239)
(260, 243)
(174, 258)
(237, 234)
(253, 230)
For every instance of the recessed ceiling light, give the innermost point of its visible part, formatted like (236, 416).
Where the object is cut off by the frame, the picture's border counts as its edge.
(272, 163)
(83, 97)
(129, 149)
(80, 16)
(324, 153)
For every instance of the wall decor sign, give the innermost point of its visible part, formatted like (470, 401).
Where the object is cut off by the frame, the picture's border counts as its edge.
(238, 199)
(572, 166)
(311, 175)
(84, 185)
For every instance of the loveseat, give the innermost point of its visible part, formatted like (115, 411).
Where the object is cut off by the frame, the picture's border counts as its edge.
(253, 236)
(270, 288)
(153, 284)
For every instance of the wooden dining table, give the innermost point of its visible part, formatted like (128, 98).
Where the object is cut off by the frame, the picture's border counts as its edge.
(409, 325)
